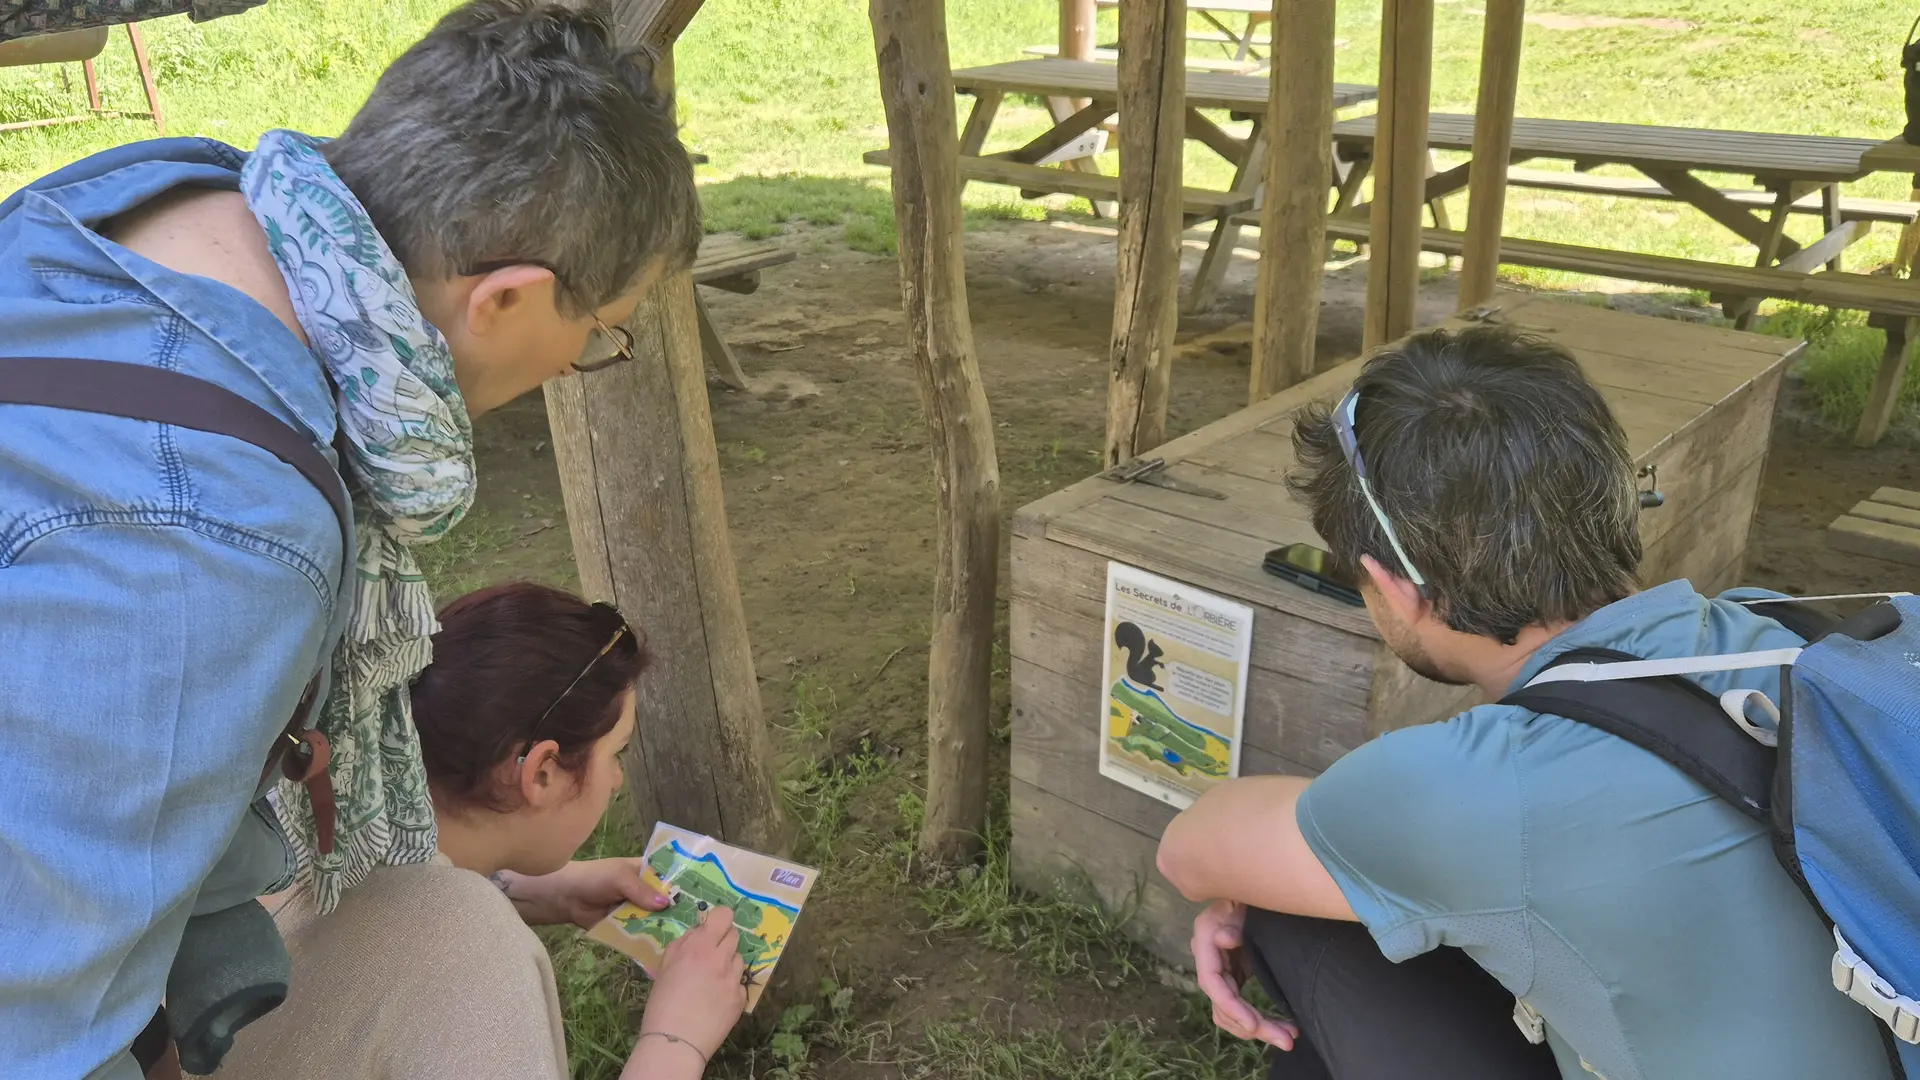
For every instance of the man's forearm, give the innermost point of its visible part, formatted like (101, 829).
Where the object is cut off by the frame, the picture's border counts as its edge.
(1241, 842)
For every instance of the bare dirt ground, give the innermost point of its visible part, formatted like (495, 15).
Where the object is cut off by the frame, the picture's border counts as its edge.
(830, 502)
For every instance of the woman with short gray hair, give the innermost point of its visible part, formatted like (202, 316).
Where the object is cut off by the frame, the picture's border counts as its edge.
(229, 335)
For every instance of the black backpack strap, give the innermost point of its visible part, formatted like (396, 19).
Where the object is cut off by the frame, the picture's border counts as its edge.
(1670, 717)
(139, 392)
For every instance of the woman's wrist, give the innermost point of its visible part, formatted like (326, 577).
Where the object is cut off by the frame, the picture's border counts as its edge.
(659, 1055)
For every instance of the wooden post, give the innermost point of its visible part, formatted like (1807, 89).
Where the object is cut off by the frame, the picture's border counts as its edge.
(1153, 59)
(1293, 215)
(1077, 42)
(1399, 169)
(916, 88)
(1077, 38)
(641, 480)
(1492, 146)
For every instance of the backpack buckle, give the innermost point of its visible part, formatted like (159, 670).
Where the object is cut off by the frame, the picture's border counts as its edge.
(1854, 977)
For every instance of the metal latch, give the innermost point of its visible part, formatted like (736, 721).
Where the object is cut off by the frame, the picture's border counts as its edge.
(1153, 471)
(1652, 496)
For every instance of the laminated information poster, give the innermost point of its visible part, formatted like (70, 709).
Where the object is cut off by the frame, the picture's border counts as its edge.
(1176, 679)
(698, 872)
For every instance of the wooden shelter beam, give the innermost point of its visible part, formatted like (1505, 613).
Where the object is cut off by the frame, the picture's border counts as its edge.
(916, 88)
(1400, 169)
(1492, 149)
(1293, 217)
(1153, 58)
(659, 23)
(640, 476)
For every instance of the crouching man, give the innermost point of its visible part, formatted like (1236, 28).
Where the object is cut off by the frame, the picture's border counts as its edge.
(1479, 491)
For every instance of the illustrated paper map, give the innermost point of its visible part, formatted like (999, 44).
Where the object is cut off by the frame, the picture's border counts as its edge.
(699, 873)
(1176, 679)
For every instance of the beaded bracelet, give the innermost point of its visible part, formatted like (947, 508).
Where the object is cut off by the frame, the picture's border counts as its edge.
(674, 1039)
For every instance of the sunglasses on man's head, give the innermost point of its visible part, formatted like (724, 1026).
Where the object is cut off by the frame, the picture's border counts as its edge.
(606, 346)
(1343, 417)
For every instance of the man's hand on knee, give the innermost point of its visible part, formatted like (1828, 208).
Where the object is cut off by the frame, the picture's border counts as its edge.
(1220, 966)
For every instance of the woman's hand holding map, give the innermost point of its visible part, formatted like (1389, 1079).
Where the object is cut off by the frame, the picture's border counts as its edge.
(583, 892)
(700, 993)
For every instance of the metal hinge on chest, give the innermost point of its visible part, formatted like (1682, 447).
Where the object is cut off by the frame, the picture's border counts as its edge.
(1153, 471)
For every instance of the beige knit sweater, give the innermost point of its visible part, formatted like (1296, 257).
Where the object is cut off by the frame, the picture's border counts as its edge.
(421, 973)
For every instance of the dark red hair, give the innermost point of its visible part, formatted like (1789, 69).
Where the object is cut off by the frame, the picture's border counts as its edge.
(503, 656)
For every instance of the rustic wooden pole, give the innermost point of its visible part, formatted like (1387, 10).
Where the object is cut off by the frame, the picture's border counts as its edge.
(1293, 215)
(1153, 59)
(1077, 37)
(916, 88)
(641, 480)
(1492, 146)
(1400, 169)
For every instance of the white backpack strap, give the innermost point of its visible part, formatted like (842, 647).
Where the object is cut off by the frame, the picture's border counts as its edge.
(1646, 669)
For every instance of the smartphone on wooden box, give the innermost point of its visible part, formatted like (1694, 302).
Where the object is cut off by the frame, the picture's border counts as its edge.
(1311, 568)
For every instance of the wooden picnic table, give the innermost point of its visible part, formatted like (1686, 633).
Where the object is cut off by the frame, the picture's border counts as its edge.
(1787, 167)
(1040, 166)
(1257, 13)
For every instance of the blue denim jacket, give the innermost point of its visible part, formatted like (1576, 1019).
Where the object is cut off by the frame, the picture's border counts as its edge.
(165, 595)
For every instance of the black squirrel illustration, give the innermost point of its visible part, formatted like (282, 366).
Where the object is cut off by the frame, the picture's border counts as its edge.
(1142, 655)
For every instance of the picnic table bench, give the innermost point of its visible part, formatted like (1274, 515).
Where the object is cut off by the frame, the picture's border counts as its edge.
(1789, 169)
(1041, 166)
(1885, 526)
(1790, 172)
(733, 265)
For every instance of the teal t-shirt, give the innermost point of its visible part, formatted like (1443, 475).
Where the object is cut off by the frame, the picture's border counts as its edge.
(1644, 919)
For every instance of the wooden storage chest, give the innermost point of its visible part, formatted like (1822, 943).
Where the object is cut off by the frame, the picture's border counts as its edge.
(1697, 405)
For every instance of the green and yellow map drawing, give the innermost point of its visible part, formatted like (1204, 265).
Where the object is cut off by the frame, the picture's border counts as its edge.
(699, 873)
(1141, 723)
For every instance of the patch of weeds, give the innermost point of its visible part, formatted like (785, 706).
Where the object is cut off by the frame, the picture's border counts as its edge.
(738, 454)
(1060, 933)
(462, 560)
(813, 708)
(1127, 1050)
(876, 235)
(821, 795)
(601, 994)
(1841, 361)
(804, 1028)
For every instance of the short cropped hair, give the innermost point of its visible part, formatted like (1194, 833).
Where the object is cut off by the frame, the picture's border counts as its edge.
(516, 130)
(1500, 467)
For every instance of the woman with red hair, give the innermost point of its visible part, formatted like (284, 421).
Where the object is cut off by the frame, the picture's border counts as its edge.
(430, 971)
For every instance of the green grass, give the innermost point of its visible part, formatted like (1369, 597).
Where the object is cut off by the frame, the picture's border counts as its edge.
(1064, 933)
(782, 96)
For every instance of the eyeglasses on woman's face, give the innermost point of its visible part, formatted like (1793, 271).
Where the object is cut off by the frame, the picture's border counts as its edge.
(606, 345)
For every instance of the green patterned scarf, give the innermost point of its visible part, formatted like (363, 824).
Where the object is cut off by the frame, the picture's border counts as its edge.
(408, 459)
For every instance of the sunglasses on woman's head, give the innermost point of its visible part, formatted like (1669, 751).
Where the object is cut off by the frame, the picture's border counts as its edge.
(533, 737)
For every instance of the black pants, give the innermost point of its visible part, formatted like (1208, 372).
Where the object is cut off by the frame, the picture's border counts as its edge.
(1438, 1016)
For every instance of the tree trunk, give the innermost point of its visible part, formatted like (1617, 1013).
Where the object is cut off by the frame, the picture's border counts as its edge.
(1293, 215)
(1492, 146)
(1153, 57)
(916, 87)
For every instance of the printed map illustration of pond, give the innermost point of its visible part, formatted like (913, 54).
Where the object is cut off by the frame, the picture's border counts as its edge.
(1141, 723)
(698, 882)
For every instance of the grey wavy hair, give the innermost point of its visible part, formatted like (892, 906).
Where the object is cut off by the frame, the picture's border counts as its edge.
(516, 130)
(1502, 469)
